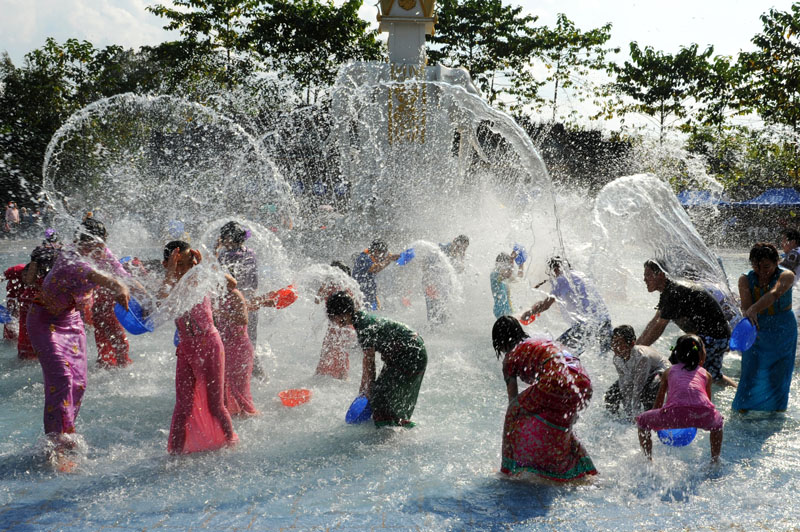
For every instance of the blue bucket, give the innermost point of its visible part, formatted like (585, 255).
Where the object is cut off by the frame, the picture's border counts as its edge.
(406, 256)
(743, 336)
(5, 315)
(677, 437)
(521, 256)
(132, 319)
(359, 411)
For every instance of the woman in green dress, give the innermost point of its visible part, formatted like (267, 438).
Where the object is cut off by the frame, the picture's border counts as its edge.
(393, 394)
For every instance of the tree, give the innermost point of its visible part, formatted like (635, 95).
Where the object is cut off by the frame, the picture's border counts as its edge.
(308, 40)
(719, 92)
(209, 27)
(775, 69)
(661, 85)
(489, 39)
(570, 55)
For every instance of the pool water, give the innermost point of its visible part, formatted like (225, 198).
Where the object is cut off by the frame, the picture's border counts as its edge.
(304, 468)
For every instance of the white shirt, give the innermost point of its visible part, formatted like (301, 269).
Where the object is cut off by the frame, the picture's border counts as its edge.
(633, 374)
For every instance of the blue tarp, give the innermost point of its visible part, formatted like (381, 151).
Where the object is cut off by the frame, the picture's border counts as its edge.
(782, 197)
(694, 198)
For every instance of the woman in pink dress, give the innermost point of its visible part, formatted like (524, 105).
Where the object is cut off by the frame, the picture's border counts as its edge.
(200, 421)
(231, 318)
(538, 432)
(57, 332)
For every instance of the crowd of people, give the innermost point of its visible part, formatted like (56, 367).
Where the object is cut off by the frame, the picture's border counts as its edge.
(65, 287)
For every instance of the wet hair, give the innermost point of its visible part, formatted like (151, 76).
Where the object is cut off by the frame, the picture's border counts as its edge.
(379, 247)
(626, 332)
(233, 232)
(763, 250)
(341, 266)
(44, 257)
(90, 230)
(51, 238)
(654, 266)
(506, 333)
(792, 235)
(687, 351)
(557, 261)
(503, 258)
(461, 240)
(340, 303)
(175, 244)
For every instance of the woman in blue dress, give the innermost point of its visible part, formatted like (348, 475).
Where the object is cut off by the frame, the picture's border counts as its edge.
(766, 293)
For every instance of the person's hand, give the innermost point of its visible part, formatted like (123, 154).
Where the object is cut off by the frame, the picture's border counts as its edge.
(752, 315)
(122, 295)
(526, 315)
(197, 257)
(231, 281)
(392, 257)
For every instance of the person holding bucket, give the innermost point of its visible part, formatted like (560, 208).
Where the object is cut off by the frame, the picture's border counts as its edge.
(393, 394)
(57, 331)
(767, 367)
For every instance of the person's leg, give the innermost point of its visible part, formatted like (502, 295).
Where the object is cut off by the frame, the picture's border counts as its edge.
(613, 398)
(716, 444)
(646, 442)
(715, 350)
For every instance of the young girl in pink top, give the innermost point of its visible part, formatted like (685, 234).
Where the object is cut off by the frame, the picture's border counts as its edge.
(687, 386)
(231, 318)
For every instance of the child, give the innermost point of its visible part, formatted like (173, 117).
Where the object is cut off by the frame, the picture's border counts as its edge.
(200, 421)
(687, 386)
(503, 270)
(334, 359)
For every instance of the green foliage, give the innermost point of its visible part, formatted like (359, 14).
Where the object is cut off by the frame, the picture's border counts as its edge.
(570, 55)
(661, 85)
(307, 40)
(491, 40)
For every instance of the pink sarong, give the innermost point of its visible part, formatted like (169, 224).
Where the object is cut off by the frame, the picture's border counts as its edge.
(60, 343)
(238, 368)
(200, 421)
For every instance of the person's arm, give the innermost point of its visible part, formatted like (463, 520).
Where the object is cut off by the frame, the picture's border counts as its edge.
(539, 307)
(511, 388)
(238, 310)
(121, 293)
(662, 390)
(30, 273)
(653, 330)
(368, 373)
(380, 265)
(785, 282)
(744, 293)
(708, 383)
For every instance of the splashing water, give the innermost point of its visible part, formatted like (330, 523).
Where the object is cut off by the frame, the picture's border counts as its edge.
(141, 163)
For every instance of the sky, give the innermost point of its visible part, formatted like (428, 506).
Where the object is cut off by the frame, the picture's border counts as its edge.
(727, 24)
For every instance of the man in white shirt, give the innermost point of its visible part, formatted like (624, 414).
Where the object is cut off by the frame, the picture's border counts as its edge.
(640, 368)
